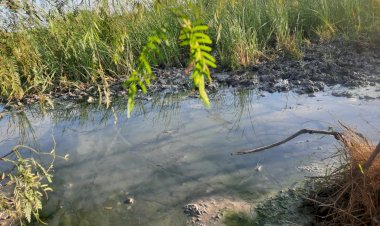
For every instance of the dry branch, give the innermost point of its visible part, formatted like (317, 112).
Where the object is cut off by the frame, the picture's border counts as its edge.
(350, 194)
(336, 135)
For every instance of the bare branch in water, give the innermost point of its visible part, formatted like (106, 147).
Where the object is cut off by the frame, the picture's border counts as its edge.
(336, 135)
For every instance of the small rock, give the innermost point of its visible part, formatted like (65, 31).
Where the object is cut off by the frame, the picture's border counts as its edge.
(310, 89)
(342, 94)
(192, 210)
(162, 81)
(366, 97)
(90, 100)
(129, 200)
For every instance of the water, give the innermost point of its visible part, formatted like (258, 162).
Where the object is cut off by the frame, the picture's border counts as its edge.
(174, 151)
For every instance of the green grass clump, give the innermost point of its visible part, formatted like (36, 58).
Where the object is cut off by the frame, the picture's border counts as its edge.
(99, 43)
(238, 219)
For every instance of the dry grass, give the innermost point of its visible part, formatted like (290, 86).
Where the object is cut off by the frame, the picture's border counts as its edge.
(351, 194)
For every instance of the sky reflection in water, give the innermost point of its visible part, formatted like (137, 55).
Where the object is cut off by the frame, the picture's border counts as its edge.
(173, 150)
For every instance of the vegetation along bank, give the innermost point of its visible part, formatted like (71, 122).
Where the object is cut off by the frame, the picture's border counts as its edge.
(86, 50)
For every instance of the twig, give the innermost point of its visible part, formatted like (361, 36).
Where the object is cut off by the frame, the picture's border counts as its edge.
(332, 206)
(336, 135)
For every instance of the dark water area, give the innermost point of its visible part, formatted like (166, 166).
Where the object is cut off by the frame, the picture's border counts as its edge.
(174, 150)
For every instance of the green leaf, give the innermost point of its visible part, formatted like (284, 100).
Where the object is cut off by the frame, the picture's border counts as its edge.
(211, 64)
(209, 57)
(143, 71)
(200, 28)
(131, 106)
(152, 46)
(361, 169)
(205, 48)
(132, 90)
(201, 36)
(153, 39)
(205, 41)
(147, 67)
(185, 43)
(202, 92)
(184, 36)
(142, 86)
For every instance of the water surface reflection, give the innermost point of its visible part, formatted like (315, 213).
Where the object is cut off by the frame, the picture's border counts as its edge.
(173, 150)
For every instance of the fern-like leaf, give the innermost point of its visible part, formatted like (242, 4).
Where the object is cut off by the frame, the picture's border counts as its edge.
(194, 36)
(143, 74)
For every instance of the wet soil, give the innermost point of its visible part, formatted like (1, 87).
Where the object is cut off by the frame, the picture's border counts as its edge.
(285, 208)
(212, 210)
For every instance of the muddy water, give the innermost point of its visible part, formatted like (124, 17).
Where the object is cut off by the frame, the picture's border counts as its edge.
(173, 151)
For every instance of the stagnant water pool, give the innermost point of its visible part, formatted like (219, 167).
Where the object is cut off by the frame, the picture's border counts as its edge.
(173, 151)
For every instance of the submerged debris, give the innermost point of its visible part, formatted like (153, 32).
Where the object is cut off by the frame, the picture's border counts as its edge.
(129, 200)
(258, 167)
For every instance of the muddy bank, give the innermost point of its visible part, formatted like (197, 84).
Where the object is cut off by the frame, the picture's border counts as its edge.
(212, 210)
(285, 208)
(350, 64)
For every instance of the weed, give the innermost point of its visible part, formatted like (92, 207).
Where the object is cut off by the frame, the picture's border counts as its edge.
(22, 189)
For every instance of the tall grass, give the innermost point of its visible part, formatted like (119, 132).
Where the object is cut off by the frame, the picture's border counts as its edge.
(100, 43)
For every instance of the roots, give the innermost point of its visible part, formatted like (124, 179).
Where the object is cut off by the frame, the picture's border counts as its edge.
(351, 194)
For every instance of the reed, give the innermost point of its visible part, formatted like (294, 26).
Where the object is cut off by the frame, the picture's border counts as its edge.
(42, 50)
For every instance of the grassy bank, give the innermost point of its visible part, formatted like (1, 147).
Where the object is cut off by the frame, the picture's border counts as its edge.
(68, 46)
